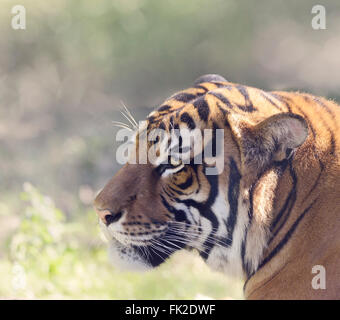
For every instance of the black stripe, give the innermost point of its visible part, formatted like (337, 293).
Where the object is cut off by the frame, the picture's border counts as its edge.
(222, 98)
(282, 243)
(287, 207)
(179, 215)
(186, 184)
(201, 87)
(161, 126)
(245, 264)
(233, 195)
(227, 125)
(332, 143)
(323, 105)
(330, 131)
(209, 214)
(325, 123)
(186, 118)
(202, 108)
(283, 100)
(279, 167)
(288, 235)
(224, 111)
(205, 210)
(163, 167)
(248, 107)
(176, 191)
(169, 194)
(322, 167)
(171, 121)
(164, 108)
(265, 95)
(151, 119)
(184, 97)
(223, 85)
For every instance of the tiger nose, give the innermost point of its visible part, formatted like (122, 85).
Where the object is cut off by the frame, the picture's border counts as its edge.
(108, 216)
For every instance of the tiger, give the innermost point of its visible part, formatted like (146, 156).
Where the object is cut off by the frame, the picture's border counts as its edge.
(269, 217)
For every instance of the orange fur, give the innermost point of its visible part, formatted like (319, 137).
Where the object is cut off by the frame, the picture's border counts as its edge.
(294, 202)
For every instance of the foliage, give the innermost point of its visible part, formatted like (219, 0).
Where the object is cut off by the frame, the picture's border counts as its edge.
(61, 82)
(51, 257)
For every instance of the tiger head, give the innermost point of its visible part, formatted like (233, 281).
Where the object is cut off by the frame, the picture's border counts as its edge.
(200, 197)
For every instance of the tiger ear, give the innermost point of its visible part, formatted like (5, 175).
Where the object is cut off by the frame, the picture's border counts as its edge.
(209, 78)
(273, 139)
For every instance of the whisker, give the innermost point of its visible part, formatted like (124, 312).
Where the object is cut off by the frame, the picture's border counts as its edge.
(161, 247)
(121, 125)
(201, 247)
(173, 244)
(211, 239)
(155, 249)
(127, 114)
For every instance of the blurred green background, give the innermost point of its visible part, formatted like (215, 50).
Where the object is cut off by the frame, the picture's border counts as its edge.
(61, 83)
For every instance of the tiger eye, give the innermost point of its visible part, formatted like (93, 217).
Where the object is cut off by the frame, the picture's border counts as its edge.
(175, 162)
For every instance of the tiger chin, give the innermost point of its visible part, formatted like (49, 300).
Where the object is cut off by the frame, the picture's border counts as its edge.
(269, 215)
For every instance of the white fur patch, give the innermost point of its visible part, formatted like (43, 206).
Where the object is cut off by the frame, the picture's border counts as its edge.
(126, 258)
(228, 260)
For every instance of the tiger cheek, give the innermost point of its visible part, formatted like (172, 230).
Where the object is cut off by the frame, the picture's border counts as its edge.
(183, 179)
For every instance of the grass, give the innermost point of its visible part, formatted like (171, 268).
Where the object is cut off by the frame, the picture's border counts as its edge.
(50, 257)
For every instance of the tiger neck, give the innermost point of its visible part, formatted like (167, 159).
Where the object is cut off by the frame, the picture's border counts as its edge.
(282, 197)
(267, 215)
(263, 216)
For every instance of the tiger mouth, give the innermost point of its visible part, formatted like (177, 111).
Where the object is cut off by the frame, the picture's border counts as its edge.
(152, 251)
(138, 240)
(148, 249)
